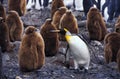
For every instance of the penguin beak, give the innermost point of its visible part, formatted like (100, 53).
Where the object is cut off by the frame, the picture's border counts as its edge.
(55, 31)
(61, 31)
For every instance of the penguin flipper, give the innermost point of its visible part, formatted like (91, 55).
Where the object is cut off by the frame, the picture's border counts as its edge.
(67, 55)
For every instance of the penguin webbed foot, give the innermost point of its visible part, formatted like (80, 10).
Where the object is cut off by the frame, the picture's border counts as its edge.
(80, 70)
(85, 70)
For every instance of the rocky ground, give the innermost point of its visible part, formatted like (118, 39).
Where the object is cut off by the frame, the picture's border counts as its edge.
(54, 67)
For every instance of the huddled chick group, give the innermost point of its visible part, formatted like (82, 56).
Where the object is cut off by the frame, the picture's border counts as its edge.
(36, 45)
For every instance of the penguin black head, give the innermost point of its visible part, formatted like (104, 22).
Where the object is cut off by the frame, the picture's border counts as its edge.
(62, 31)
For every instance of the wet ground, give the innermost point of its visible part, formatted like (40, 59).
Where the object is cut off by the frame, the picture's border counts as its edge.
(54, 67)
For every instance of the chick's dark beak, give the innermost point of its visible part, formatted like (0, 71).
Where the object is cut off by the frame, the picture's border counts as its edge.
(61, 31)
(55, 31)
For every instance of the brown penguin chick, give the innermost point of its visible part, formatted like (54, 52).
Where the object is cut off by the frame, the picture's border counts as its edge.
(4, 36)
(112, 48)
(51, 39)
(17, 5)
(15, 26)
(57, 16)
(2, 12)
(69, 22)
(31, 52)
(55, 5)
(96, 25)
(112, 45)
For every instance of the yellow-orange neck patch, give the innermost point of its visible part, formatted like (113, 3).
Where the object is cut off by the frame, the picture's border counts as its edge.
(67, 37)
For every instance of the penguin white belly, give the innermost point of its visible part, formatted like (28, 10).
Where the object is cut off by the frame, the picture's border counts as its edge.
(79, 5)
(68, 2)
(105, 10)
(29, 5)
(106, 14)
(38, 6)
(79, 51)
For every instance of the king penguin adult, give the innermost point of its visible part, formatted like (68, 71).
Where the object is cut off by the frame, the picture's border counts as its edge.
(77, 48)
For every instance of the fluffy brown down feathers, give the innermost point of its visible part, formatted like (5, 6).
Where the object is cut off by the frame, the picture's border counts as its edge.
(50, 39)
(31, 51)
(55, 5)
(2, 12)
(4, 36)
(15, 26)
(17, 5)
(69, 22)
(57, 16)
(96, 25)
(112, 46)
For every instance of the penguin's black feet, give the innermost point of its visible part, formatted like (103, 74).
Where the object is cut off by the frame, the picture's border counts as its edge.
(85, 70)
(81, 70)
